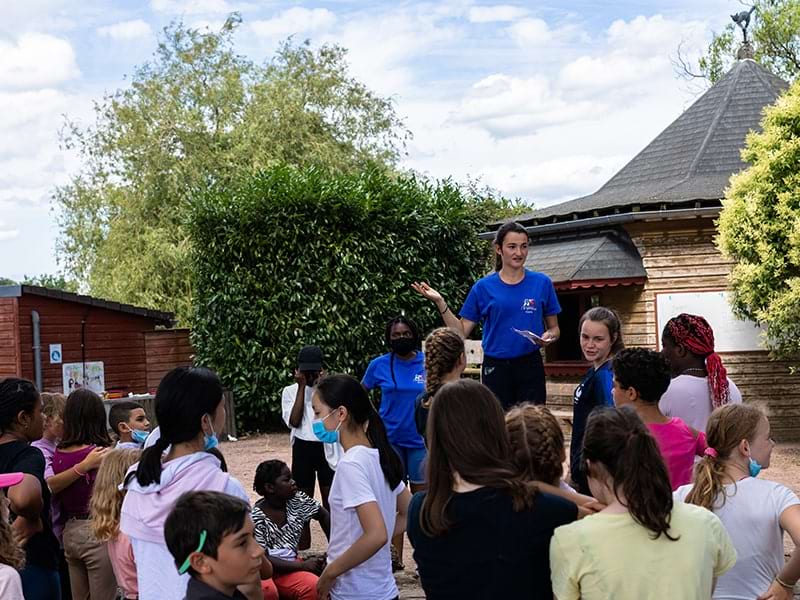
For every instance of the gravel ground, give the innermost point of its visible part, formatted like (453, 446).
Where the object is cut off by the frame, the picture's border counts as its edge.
(244, 456)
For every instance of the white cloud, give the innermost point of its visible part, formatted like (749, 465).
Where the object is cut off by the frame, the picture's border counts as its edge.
(7, 234)
(495, 14)
(536, 32)
(195, 7)
(36, 60)
(293, 21)
(126, 30)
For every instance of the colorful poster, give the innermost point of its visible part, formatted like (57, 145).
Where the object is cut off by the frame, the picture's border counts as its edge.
(74, 378)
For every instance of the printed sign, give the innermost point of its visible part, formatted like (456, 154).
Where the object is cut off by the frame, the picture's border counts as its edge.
(55, 354)
(74, 378)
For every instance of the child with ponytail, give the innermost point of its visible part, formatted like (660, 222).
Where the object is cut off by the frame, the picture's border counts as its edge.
(700, 382)
(368, 498)
(445, 361)
(640, 378)
(190, 412)
(641, 545)
(756, 512)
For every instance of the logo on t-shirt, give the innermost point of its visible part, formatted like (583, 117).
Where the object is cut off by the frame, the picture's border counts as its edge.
(419, 378)
(529, 305)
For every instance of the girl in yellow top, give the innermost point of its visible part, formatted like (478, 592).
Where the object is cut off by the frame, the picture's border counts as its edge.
(641, 545)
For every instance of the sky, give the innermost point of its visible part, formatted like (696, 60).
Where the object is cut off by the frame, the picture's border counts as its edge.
(541, 101)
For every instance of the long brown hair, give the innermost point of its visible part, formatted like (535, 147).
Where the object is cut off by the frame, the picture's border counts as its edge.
(609, 318)
(10, 552)
(621, 442)
(443, 348)
(106, 501)
(726, 428)
(85, 420)
(537, 443)
(467, 435)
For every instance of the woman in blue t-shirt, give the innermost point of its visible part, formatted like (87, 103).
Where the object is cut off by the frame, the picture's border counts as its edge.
(400, 376)
(509, 301)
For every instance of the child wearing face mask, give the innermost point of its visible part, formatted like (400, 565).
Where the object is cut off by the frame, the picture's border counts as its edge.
(190, 412)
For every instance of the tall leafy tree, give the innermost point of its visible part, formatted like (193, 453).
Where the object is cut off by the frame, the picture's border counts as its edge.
(198, 114)
(759, 227)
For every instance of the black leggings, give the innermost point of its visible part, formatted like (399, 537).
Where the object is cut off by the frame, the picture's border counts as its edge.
(515, 380)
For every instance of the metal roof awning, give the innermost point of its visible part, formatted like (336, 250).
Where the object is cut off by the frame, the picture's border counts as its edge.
(602, 260)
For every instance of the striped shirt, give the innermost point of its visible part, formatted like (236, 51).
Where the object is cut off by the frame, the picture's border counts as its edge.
(282, 542)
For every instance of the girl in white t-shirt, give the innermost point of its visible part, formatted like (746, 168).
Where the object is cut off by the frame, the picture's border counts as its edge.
(755, 512)
(368, 498)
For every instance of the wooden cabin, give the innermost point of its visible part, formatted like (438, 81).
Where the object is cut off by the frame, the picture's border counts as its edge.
(48, 335)
(643, 244)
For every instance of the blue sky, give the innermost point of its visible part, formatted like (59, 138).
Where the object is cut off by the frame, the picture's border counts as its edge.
(542, 101)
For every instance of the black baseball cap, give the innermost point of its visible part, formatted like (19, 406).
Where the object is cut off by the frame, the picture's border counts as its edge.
(310, 358)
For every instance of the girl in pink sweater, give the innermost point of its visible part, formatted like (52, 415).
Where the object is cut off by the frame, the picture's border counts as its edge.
(641, 377)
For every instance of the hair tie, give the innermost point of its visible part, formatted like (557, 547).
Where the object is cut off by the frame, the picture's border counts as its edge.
(710, 452)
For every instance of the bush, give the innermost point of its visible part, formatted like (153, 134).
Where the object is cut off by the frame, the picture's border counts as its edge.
(292, 257)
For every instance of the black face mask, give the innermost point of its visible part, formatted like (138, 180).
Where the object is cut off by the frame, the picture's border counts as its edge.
(403, 346)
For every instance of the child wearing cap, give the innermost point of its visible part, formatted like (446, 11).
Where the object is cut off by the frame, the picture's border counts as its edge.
(311, 459)
(210, 536)
(12, 557)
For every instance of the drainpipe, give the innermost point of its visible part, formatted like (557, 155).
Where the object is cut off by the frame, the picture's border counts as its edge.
(37, 350)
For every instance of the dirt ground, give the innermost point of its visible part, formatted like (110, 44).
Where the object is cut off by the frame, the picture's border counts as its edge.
(244, 456)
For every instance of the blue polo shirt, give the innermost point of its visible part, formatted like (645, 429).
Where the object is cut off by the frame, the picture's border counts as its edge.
(398, 395)
(502, 308)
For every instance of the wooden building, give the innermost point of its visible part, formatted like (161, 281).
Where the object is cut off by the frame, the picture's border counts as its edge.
(42, 330)
(646, 240)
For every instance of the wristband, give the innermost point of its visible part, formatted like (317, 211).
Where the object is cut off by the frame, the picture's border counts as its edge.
(446, 308)
(77, 472)
(783, 584)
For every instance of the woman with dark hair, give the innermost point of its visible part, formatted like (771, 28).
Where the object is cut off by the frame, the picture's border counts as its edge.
(85, 430)
(479, 514)
(512, 303)
(190, 412)
(700, 382)
(400, 376)
(21, 423)
(641, 545)
(368, 498)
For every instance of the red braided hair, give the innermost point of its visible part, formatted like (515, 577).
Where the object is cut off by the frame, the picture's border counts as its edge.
(695, 334)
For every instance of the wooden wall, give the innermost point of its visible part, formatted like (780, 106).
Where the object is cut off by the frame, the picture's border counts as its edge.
(684, 258)
(164, 350)
(114, 337)
(9, 338)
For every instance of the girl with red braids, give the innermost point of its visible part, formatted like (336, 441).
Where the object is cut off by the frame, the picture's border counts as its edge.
(700, 382)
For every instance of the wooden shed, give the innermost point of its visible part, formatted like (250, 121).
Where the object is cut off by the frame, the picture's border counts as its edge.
(643, 244)
(44, 333)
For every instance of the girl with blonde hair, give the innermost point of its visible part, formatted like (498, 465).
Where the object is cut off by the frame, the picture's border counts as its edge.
(105, 507)
(445, 361)
(755, 512)
(12, 557)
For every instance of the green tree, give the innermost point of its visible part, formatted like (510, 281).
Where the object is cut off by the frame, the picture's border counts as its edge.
(200, 114)
(306, 256)
(49, 280)
(775, 32)
(759, 227)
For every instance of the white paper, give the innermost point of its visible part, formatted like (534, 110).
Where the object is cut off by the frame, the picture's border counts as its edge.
(530, 336)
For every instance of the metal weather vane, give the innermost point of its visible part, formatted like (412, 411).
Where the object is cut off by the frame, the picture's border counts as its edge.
(742, 19)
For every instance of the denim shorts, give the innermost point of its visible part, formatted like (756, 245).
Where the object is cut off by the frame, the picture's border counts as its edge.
(413, 460)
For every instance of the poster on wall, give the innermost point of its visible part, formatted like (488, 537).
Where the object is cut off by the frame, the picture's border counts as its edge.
(730, 333)
(73, 376)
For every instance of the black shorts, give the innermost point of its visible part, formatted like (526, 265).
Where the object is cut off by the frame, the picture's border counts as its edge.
(515, 380)
(309, 465)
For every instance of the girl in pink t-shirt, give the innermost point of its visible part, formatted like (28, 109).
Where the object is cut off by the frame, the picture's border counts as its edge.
(641, 377)
(105, 509)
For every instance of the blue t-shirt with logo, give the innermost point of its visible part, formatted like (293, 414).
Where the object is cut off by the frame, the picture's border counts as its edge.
(503, 307)
(398, 395)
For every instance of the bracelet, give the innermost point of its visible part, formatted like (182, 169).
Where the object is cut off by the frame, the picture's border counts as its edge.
(446, 308)
(77, 472)
(783, 584)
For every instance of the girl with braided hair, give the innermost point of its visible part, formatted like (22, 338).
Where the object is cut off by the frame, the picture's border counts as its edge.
(700, 382)
(755, 512)
(445, 361)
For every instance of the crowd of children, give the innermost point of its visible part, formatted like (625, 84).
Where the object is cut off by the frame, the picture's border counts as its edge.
(662, 498)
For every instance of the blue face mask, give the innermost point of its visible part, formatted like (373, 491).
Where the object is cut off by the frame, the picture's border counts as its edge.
(139, 436)
(323, 435)
(210, 440)
(755, 468)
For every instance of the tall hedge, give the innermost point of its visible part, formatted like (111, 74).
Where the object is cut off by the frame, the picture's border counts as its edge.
(293, 257)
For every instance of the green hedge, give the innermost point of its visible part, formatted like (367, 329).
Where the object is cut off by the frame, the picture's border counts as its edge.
(293, 257)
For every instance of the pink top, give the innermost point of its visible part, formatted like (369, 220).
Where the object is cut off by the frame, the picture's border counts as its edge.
(124, 566)
(74, 498)
(679, 444)
(48, 449)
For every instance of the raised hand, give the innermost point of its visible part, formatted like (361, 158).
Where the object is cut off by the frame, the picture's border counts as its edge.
(426, 291)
